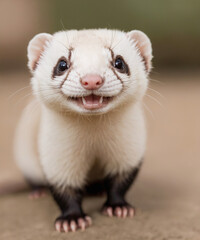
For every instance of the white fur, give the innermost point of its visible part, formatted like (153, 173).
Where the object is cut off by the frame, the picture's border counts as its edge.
(25, 147)
(65, 141)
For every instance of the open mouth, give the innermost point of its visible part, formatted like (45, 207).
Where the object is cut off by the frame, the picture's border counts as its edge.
(92, 102)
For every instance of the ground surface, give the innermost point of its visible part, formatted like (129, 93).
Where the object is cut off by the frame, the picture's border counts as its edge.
(166, 194)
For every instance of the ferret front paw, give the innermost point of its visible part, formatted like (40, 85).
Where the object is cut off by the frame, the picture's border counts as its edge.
(72, 223)
(121, 210)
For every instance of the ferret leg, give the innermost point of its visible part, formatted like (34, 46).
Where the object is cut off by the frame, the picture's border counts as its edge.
(72, 216)
(116, 188)
(37, 190)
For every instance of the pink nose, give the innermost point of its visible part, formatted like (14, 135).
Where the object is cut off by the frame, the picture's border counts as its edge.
(92, 81)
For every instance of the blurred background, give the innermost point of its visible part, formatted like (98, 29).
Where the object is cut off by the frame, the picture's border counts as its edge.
(167, 192)
(172, 25)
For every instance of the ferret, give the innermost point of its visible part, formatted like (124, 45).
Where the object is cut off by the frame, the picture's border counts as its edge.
(88, 131)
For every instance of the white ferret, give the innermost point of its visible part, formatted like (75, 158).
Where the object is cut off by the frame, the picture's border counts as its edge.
(88, 132)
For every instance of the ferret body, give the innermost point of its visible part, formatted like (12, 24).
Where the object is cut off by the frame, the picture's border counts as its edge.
(89, 124)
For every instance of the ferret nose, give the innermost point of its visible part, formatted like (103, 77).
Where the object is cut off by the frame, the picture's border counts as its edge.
(92, 81)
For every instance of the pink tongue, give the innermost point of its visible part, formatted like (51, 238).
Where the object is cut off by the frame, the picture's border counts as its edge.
(92, 99)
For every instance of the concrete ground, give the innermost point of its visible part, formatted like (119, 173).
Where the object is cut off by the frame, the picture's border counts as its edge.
(166, 194)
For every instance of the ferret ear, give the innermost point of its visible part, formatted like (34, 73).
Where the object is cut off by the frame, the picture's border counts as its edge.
(143, 44)
(35, 49)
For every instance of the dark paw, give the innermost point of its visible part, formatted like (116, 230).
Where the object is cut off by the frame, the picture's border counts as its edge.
(121, 210)
(72, 223)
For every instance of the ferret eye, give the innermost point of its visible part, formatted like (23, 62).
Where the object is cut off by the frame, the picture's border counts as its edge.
(120, 65)
(61, 67)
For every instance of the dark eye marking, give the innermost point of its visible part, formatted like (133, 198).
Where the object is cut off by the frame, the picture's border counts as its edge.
(61, 67)
(120, 65)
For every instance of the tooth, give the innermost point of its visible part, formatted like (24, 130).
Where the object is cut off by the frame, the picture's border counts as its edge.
(101, 99)
(83, 100)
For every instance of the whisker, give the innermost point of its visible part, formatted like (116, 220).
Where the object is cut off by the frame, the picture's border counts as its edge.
(23, 98)
(113, 47)
(112, 80)
(157, 93)
(32, 94)
(149, 110)
(47, 89)
(16, 92)
(112, 38)
(157, 81)
(154, 100)
(74, 89)
(65, 30)
(113, 85)
(62, 44)
(34, 106)
(49, 95)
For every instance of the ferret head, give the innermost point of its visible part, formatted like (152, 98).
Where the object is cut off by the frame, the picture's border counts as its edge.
(90, 71)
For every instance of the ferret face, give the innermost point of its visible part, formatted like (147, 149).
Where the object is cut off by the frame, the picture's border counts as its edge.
(89, 71)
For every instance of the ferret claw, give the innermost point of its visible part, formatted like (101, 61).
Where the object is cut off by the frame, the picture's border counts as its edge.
(89, 220)
(73, 225)
(124, 212)
(81, 224)
(58, 226)
(120, 212)
(110, 212)
(65, 226)
(131, 212)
